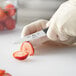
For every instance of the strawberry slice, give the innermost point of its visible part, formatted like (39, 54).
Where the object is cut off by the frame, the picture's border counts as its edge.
(20, 55)
(3, 15)
(10, 23)
(10, 9)
(1, 27)
(7, 74)
(27, 47)
(2, 72)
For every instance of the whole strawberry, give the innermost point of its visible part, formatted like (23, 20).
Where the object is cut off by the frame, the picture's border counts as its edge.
(3, 15)
(1, 26)
(10, 9)
(10, 23)
(3, 73)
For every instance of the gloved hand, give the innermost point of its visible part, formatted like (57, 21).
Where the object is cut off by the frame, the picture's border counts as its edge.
(34, 27)
(62, 26)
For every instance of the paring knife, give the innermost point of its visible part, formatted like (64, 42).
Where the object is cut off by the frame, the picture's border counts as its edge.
(33, 36)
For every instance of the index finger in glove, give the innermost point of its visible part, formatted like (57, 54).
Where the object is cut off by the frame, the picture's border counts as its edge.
(33, 27)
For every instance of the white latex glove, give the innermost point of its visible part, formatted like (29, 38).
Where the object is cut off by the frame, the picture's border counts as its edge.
(62, 26)
(34, 27)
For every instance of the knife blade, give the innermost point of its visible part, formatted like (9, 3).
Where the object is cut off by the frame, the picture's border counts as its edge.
(33, 36)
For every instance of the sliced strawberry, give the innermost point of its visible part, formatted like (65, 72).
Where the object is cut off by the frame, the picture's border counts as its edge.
(20, 55)
(10, 9)
(1, 26)
(3, 15)
(27, 47)
(2, 72)
(1, 75)
(10, 23)
(7, 74)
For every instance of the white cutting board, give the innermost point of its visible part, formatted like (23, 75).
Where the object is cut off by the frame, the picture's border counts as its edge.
(47, 61)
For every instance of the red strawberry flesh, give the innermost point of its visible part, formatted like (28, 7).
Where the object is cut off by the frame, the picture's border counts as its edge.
(20, 55)
(27, 47)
